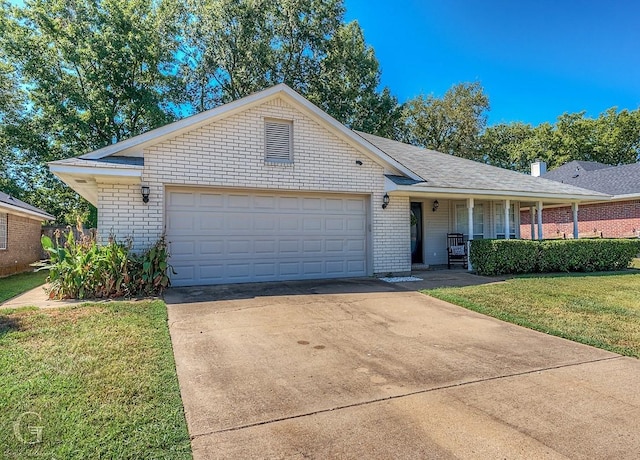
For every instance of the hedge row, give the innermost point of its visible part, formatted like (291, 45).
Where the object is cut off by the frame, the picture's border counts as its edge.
(499, 257)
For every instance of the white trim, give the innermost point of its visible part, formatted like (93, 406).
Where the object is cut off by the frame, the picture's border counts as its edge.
(4, 231)
(134, 171)
(415, 190)
(25, 212)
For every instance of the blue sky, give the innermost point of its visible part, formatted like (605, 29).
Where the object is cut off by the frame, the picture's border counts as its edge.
(535, 59)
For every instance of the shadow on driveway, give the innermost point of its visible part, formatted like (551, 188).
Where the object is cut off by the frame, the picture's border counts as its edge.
(429, 280)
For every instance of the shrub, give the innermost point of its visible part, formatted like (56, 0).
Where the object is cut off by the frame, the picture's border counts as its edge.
(81, 269)
(497, 257)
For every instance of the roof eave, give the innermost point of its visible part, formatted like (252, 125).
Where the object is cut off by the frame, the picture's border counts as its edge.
(90, 176)
(41, 216)
(491, 194)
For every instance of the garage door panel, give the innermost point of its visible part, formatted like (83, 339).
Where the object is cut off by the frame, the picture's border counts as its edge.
(209, 248)
(211, 200)
(219, 237)
(183, 199)
(239, 201)
(264, 202)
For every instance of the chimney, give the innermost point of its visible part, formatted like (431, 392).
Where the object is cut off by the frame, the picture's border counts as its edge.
(538, 168)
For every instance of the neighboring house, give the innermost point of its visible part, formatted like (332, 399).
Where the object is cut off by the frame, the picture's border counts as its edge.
(20, 228)
(617, 218)
(270, 187)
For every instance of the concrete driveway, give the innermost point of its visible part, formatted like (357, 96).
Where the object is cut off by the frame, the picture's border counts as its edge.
(366, 369)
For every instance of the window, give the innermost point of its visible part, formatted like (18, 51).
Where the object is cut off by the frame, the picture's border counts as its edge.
(499, 220)
(278, 136)
(462, 221)
(3, 230)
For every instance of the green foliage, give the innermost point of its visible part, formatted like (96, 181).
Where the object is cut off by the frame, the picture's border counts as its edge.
(451, 124)
(80, 75)
(612, 138)
(499, 257)
(82, 269)
(150, 269)
(233, 48)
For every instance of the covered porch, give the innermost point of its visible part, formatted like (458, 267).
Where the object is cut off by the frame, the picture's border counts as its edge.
(486, 214)
(433, 218)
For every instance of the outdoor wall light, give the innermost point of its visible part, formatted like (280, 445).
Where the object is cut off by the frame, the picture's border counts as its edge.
(145, 193)
(385, 201)
(436, 205)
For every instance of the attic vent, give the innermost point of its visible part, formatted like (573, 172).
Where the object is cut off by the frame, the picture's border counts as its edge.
(278, 136)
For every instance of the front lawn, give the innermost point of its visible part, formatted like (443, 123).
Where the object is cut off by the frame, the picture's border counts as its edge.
(13, 285)
(600, 309)
(99, 380)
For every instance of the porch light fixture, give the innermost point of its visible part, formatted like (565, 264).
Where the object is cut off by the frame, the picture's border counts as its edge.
(436, 205)
(385, 201)
(145, 193)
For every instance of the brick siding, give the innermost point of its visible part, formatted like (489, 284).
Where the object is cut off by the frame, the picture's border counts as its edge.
(23, 245)
(229, 153)
(613, 220)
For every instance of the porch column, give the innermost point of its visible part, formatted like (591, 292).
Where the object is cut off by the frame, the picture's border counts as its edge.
(540, 220)
(470, 222)
(507, 208)
(574, 208)
(532, 214)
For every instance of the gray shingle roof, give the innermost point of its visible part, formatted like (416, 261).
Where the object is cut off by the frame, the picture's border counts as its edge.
(8, 199)
(440, 170)
(612, 180)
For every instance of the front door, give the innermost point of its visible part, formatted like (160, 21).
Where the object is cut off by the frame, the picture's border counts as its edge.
(416, 233)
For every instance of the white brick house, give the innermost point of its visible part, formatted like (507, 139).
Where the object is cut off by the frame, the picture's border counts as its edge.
(269, 187)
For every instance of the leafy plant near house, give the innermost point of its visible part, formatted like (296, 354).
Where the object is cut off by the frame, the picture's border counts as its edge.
(498, 257)
(151, 268)
(82, 269)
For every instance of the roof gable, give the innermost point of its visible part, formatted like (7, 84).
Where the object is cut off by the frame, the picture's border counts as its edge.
(136, 145)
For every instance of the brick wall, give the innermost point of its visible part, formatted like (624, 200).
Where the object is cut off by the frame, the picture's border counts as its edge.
(613, 220)
(230, 153)
(23, 245)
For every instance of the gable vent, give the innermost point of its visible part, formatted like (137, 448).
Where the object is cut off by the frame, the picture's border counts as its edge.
(278, 141)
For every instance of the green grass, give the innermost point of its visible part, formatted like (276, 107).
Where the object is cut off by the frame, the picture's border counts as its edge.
(13, 285)
(635, 263)
(98, 378)
(601, 309)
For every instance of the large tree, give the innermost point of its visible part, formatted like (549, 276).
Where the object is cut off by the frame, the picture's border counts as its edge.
(611, 138)
(90, 73)
(450, 124)
(233, 48)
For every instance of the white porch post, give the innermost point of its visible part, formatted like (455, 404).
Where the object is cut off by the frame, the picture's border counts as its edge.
(507, 208)
(574, 208)
(532, 213)
(539, 220)
(470, 222)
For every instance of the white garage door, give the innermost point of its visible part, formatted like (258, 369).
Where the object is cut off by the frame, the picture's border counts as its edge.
(234, 237)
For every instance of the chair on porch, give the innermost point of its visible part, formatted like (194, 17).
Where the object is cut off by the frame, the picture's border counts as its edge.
(456, 250)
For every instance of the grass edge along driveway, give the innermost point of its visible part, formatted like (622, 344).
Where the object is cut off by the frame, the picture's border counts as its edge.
(99, 379)
(597, 309)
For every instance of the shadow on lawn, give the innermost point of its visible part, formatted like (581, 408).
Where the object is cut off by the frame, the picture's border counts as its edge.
(9, 324)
